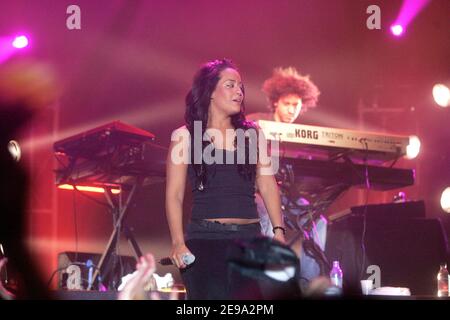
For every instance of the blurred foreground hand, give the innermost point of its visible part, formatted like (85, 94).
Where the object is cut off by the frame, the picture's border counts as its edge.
(135, 288)
(26, 87)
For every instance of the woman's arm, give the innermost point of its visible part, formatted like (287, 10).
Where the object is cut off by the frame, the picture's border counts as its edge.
(176, 172)
(268, 188)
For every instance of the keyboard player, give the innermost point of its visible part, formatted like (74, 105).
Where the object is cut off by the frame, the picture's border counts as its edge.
(290, 94)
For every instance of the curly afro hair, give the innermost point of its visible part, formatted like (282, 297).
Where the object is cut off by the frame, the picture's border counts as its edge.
(289, 81)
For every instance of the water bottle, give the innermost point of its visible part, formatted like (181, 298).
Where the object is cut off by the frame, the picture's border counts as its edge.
(442, 281)
(336, 275)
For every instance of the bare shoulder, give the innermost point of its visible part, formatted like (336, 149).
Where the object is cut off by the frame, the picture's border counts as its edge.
(183, 130)
(180, 132)
(180, 135)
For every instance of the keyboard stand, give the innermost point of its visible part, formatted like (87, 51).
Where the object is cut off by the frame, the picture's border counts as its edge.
(110, 258)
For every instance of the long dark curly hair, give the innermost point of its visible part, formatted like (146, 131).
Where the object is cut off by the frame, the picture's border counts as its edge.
(198, 101)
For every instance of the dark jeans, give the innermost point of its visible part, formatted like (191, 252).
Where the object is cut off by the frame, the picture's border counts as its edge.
(208, 278)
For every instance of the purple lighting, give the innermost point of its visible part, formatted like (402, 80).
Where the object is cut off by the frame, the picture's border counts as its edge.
(397, 30)
(20, 42)
(409, 10)
(11, 45)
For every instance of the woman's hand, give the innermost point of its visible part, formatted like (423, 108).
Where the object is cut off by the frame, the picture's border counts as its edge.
(279, 236)
(178, 251)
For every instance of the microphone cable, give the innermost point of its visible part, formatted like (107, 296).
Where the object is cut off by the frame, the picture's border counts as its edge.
(366, 202)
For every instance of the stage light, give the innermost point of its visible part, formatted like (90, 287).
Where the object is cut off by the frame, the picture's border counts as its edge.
(11, 45)
(445, 200)
(397, 30)
(87, 188)
(441, 95)
(408, 12)
(20, 42)
(413, 148)
(14, 150)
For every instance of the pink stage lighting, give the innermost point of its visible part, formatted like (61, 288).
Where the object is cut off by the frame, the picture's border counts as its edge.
(409, 10)
(20, 42)
(441, 95)
(397, 30)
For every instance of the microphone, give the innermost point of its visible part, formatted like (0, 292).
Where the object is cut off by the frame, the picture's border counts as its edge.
(187, 260)
(90, 265)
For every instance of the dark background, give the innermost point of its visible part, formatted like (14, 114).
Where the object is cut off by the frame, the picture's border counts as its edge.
(134, 61)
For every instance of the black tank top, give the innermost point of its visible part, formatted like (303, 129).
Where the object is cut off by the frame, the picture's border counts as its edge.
(225, 194)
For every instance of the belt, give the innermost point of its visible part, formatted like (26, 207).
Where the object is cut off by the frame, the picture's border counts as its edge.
(225, 226)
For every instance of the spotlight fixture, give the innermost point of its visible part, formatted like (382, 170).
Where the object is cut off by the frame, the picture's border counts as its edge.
(397, 30)
(20, 42)
(441, 95)
(413, 148)
(14, 150)
(445, 200)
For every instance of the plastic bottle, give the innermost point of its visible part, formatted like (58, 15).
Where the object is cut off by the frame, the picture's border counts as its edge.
(442, 281)
(336, 275)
